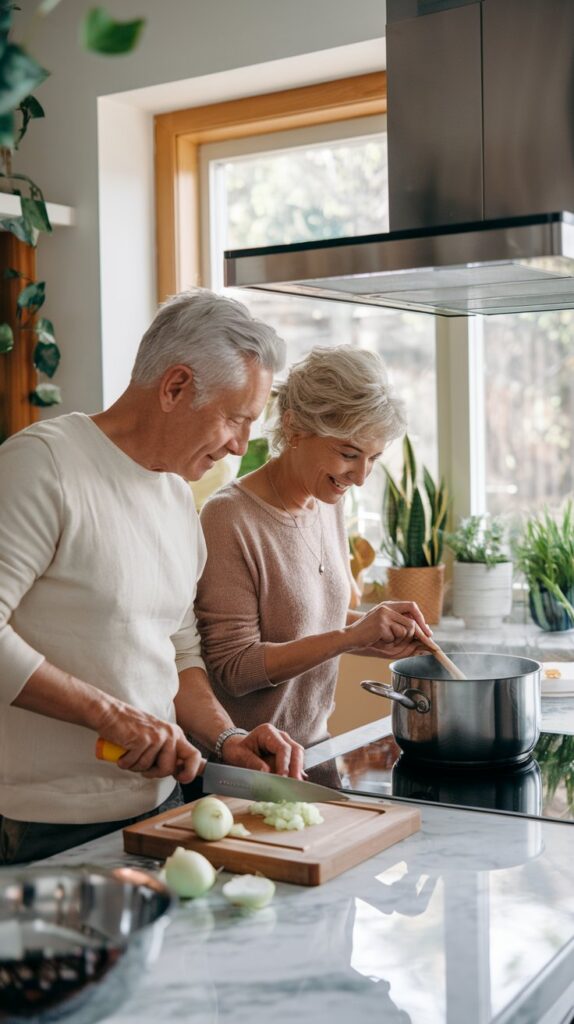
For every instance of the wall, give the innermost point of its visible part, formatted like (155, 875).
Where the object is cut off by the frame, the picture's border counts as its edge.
(100, 109)
(353, 705)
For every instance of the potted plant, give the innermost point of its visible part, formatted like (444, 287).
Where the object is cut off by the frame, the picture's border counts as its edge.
(414, 518)
(482, 572)
(544, 552)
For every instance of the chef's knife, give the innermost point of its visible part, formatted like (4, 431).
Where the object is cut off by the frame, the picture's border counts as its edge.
(244, 782)
(251, 785)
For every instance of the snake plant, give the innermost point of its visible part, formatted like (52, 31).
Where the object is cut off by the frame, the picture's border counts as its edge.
(414, 515)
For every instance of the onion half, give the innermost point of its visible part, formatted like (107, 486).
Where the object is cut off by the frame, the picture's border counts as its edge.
(189, 873)
(250, 891)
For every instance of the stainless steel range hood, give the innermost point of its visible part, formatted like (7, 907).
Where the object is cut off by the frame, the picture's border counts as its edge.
(481, 169)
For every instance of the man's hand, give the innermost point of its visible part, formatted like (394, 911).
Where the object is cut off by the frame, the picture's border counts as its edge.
(154, 748)
(265, 749)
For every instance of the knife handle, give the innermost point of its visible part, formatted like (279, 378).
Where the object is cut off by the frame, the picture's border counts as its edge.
(107, 751)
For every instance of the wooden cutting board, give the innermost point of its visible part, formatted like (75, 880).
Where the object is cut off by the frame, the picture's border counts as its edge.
(351, 832)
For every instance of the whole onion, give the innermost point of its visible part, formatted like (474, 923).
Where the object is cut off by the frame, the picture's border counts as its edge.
(211, 818)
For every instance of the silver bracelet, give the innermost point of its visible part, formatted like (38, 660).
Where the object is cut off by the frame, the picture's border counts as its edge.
(223, 736)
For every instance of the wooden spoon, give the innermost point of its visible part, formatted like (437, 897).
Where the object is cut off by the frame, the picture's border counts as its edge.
(439, 654)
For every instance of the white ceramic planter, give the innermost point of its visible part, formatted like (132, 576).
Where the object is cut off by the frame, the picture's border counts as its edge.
(482, 596)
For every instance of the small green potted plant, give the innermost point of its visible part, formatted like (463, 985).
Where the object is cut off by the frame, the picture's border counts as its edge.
(414, 518)
(544, 553)
(482, 572)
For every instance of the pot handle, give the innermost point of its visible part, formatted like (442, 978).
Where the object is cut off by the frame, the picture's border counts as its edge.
(413, 700)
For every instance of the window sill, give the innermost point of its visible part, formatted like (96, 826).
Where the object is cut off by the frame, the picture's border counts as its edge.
(519, 638)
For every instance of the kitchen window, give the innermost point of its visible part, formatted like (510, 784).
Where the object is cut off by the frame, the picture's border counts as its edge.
(529, 410)
(311, 181)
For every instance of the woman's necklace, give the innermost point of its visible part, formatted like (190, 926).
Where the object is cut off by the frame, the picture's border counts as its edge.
(296, 524)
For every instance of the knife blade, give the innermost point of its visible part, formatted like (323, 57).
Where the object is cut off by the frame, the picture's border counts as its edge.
(252, 785)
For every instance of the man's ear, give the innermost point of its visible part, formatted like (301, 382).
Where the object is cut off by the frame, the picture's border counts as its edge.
(176, 385)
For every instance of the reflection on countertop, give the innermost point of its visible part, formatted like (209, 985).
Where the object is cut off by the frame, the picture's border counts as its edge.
(368, 761)
(469, 921)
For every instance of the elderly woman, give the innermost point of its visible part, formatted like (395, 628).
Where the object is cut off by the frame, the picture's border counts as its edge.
(273, 601)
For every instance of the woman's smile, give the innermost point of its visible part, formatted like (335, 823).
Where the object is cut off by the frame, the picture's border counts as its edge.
(341, 488)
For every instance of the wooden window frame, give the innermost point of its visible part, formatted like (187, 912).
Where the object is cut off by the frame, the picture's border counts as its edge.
(178, 136)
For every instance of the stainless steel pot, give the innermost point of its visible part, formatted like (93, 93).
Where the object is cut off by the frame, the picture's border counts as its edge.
(491, 717)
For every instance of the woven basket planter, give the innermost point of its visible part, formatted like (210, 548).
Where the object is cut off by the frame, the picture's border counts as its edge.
(424, 586)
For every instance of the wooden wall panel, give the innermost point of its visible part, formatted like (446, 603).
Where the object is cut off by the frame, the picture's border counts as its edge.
(17, 373)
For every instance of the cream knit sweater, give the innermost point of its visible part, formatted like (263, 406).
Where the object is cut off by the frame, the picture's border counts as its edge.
(261, 584)
(99, 559)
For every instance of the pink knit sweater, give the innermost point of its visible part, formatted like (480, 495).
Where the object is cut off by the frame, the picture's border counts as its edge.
(261, 584)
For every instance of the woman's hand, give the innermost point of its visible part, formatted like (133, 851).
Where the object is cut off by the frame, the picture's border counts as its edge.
(265, 749)
(392, 626)
(399, 649)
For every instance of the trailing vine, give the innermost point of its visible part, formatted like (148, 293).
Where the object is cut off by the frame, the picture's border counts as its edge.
(20, 75)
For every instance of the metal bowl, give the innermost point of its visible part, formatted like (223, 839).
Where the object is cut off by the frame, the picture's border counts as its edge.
(75, 941)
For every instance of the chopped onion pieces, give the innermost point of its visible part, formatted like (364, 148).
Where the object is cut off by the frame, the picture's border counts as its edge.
(287, 816)
(238, 831)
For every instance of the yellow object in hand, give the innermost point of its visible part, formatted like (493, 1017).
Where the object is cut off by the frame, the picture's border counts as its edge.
(106, 751)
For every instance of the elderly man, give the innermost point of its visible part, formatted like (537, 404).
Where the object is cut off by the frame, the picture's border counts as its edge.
(100, 553)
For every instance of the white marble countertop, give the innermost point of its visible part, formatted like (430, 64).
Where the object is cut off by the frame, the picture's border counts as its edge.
(469, 921)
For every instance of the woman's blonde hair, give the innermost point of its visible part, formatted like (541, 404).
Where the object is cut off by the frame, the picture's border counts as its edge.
(338, 392)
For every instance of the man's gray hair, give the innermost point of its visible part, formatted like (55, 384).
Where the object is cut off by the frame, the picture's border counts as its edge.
(213, 335)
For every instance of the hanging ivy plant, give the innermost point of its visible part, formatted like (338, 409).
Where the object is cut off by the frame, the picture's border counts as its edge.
(101, 34)
(20, 75)
(46, 355)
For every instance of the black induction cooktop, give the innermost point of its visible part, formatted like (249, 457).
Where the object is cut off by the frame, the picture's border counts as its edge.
(541, 787)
